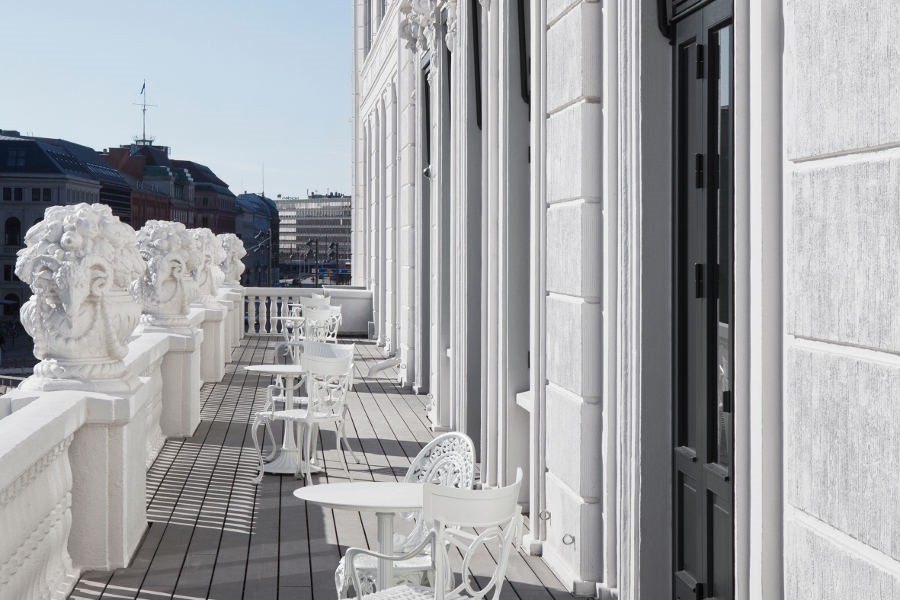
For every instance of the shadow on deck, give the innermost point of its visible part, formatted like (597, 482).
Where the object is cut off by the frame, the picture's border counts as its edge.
(214, 534)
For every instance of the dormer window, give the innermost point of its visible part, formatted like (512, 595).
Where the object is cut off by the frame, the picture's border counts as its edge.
(15, 158)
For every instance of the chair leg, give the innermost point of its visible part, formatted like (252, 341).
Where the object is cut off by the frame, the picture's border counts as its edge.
(342, 436)
(309, 433)
(254, 434)
(340, 451)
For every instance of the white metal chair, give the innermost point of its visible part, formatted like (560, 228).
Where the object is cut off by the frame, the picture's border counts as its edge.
(327, 384)
(447, 460)
(322, 324)
(496, 518)
(314, 301)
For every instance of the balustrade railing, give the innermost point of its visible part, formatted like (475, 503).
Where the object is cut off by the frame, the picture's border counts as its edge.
(263, 303)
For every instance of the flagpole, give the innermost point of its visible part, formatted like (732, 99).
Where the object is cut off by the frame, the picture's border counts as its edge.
(144, 111)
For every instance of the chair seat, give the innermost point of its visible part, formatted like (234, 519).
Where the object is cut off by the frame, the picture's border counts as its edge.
(415, 569)
(406, 592)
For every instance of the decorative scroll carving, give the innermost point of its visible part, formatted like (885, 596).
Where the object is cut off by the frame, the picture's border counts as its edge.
(167, 285)
(208, 274)
(79, 262)
(417, 23)
(451, 20)
(232, 266)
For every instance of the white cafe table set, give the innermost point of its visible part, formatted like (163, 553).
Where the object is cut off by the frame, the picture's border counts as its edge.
(384, 498)
(289, 459)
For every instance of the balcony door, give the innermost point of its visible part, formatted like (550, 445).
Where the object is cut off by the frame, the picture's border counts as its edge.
(703, 477)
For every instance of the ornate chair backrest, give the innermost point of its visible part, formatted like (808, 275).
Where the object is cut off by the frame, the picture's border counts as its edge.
(321, 324)
(496, 515)
(327, 383)
(315, 301)
(447, 460)
(330, 350)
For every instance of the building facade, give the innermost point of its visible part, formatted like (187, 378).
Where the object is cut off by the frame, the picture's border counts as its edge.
(646, 251)
(315, 230)
(257, 225)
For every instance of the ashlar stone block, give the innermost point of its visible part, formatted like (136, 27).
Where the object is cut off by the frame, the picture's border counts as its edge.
(574, 152)
(574, 54)
(840, 76)
(574, 545)
(842, 444)
(574, 247)
(816, 568)
(574, 443)
(574, 344)
(842, 281)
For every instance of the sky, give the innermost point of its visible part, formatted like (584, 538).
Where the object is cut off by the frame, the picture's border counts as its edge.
(243, 87)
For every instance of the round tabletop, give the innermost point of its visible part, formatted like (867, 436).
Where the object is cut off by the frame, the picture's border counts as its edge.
(287, 369)
(371, 496)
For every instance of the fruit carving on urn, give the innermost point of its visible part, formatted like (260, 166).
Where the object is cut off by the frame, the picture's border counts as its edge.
(208, 274)
(80, 262)
(232, 265)
(167, 286)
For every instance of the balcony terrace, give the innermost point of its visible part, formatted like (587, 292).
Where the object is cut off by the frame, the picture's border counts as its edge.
(140, 486)
(214, 534)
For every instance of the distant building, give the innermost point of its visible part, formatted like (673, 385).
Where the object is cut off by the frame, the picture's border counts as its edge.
(315, 223)
(214, 203)
(36, 173)
(257, 225)
(177, 190)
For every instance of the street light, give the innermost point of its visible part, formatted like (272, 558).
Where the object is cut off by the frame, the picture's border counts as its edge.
(312, 249)
(264, 237)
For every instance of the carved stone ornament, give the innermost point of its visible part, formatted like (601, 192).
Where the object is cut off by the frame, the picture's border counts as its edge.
(167, 285)
(80, 262)
(232, 266)
(451, 20)
(208, 274)
(417, 24)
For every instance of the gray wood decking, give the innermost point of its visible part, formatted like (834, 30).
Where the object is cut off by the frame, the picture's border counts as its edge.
(213, 534)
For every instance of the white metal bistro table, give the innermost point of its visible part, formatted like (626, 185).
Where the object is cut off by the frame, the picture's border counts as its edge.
(289, 459)
(289, 325)
(384, 498)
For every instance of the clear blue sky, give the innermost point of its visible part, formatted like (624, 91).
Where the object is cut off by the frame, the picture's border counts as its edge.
(238, 84)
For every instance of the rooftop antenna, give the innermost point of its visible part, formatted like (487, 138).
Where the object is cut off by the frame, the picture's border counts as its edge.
(143, 104)
(264, 180)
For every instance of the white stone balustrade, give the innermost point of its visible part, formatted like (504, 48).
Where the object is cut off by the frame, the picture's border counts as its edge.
(261, 303)
(77, 437)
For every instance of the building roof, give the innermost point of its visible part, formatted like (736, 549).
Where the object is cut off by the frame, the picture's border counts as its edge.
(204, 177)
(257, 204)
(43, 156)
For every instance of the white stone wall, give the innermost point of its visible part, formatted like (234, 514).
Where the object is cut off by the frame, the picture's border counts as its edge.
(574, 344)
(842, 284)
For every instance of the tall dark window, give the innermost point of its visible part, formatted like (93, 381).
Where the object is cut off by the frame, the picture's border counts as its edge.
(524, 10)
(476, 51)
(703, 372)
(12, 231)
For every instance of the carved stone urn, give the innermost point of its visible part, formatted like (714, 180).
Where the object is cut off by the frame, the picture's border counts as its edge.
(232, 265)
(80, 262)
(167, 285)
(208, 275)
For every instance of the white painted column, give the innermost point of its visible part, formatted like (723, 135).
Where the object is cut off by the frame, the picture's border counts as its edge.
(406, 215)
(383, 187)
(490, 248)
